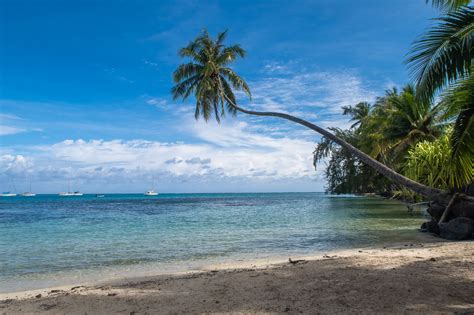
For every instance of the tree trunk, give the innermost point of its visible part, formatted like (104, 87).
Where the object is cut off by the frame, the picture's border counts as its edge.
(381, 168)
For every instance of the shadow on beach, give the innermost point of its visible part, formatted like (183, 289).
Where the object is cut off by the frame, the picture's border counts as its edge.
(422, 279)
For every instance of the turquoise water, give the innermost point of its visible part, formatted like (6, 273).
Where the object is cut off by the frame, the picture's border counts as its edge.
(49, 240)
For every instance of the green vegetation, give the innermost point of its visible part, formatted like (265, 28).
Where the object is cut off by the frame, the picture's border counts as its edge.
(430, 143)
(430, 162)
(398, 143)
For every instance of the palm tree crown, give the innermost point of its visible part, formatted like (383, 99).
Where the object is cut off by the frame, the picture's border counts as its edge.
(208, 76)
(358, 113)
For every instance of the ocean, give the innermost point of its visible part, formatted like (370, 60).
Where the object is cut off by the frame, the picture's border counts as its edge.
(50, 240)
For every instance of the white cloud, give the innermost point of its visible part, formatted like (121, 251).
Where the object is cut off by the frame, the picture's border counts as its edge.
(158, 102)
(14, 163)
(243, 154)
(150, 63)
(224, 154)
(8, 130)
(308, 91)
(11, 124)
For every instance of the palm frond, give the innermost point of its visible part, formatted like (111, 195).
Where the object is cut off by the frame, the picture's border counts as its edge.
(460, 101)
(207, 76)
(237, 82)
(185, 71)
(444, 54)
(448, 5)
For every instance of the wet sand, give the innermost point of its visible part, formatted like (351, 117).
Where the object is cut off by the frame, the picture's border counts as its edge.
(425, 278)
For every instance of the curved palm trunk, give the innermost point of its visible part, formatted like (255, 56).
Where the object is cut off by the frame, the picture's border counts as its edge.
(381, 168)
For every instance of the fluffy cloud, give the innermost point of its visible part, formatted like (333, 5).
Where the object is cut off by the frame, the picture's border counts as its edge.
(224, 154)
(14, 163)
(243, 154)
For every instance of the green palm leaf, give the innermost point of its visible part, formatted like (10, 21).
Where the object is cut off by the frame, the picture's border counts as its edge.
(448, 5)
(444, 54)
(207, 76)
(460, 101)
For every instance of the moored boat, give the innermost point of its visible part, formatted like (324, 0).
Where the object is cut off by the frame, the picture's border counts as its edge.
(151, 193)
(7, 194)
(28, 194)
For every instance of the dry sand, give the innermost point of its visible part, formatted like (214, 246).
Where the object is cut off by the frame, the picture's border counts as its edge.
(427, 278)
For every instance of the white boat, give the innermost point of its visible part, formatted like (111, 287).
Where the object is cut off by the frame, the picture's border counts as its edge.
(69, 193)
(28, 194)
(7, 194)
(151, 193)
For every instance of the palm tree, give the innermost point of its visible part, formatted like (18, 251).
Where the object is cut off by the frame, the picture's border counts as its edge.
(211, 81)
(444, 54)
(358, 113)
(409, 120)
(442, 57)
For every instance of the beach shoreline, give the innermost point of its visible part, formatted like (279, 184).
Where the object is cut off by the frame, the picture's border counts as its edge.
(223, 264)
(422, 277)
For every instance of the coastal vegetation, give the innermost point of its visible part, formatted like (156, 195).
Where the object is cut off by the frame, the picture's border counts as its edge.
(418, 140)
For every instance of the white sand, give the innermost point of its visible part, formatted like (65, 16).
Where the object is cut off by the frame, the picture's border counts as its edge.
(409, 278)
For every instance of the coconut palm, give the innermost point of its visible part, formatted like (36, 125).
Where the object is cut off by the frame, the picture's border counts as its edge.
(409, 120)
(358, 113)
(208, 77)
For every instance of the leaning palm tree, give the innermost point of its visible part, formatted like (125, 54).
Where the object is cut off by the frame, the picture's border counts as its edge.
(208, 77)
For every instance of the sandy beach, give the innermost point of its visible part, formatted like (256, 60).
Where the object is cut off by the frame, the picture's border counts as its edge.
(422, 278)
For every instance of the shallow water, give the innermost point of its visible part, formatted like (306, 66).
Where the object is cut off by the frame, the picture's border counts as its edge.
(49, 240)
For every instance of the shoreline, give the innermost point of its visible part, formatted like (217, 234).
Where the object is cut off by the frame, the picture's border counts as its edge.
(228, 263)
(422, 277)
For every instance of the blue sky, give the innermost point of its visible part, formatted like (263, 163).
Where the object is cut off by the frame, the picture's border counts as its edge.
(84, 90)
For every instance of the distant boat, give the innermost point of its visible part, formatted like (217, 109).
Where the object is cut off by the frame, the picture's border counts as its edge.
(7, 194)
(28, 193)
(151, 193)
(100, 196)
(70, 193)
(75, 193)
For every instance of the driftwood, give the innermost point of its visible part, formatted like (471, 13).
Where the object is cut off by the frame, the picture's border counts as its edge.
(448, 208)
(294, 262)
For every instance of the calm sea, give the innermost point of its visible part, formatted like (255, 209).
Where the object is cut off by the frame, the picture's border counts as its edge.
(49, 240)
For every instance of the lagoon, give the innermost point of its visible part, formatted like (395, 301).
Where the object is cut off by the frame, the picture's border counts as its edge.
(49, 240)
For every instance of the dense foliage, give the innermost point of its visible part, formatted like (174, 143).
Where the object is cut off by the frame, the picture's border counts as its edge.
(410, 135)
(431, 143)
